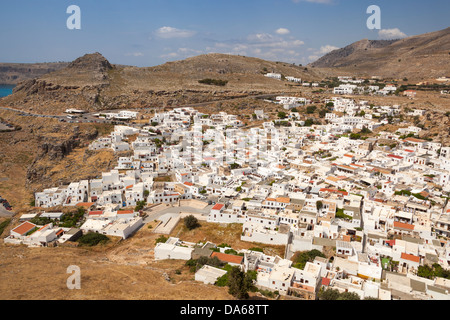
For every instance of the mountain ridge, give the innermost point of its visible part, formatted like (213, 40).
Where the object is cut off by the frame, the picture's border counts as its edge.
(417, 57)
(92, 83)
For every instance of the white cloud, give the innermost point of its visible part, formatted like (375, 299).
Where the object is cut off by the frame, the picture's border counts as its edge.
(389, 34)
(182, 53)
(135, 54)
(262, 45)
(270, 41)
(313, 58)
(169, 55)
(316, 54)
(170, 32)
(327, 49)
(283, 31)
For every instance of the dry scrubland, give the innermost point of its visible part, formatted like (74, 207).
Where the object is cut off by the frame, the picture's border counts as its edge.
(121, 269)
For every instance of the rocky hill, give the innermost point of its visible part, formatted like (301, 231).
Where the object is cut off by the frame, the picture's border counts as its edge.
(92, 83)
(420, 57)
(342, 57)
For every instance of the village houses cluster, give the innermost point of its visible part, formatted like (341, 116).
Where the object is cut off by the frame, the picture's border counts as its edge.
(381, 203)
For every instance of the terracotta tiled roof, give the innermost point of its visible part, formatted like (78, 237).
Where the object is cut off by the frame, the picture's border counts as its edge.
(24, 228)
(326, 281)
(125, 211)
(43, 227)
(333, 190)
(283, 200)
(410, 257)
(402, 225)
(228, 257)
(395, 156)
(218, 206)
(95, 213)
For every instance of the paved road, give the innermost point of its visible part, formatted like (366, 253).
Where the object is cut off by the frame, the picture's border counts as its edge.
(90, 118)
(86, 118)
(5, 213)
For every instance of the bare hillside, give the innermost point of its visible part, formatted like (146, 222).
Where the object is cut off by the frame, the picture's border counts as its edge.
(420, 57)
(92, 83)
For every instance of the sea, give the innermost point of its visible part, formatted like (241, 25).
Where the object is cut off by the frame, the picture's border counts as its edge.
(6, 90)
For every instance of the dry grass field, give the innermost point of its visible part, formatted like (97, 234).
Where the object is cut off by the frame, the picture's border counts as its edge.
(122, 270)
(118, 270)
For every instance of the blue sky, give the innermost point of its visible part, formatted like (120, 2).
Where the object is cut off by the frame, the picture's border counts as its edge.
(151, 32)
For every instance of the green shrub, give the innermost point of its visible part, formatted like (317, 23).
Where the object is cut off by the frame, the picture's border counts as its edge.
(334, 294)
(92, 239)
(281, 115)
(222, 281)
(301, 258)
(311, 109)
(191, 222)
(161, 238)
(214, 82)
(3, 225)
(140, 205)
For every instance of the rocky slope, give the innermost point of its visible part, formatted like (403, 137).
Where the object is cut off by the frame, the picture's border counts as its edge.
(46, 153)
(92, 83)
(420, 57)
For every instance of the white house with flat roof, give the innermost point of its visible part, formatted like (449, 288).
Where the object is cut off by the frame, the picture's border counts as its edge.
(208, 274)
(172, 249)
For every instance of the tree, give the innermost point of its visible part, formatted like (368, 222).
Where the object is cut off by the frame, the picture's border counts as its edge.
(328, 294)
(140, 205)
(309, 122)
(322, 113)
(282, 115)
(334, 294)
(301, 258)
(239, 283)
(234, 166)
(349, 296)
(319, 205)
(311, 109)
(365, 130)
(191, 222)
(355, 136)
